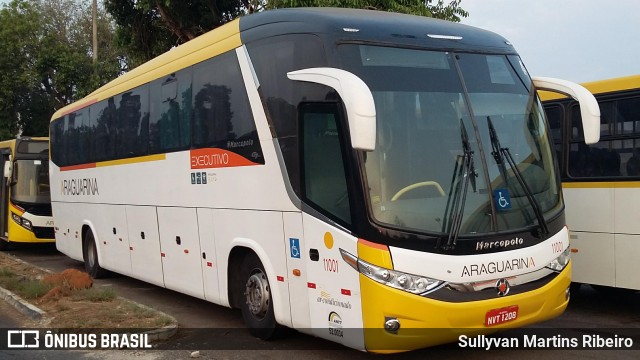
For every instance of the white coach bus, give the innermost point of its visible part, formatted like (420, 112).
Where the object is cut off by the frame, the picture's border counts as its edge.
(356, 175)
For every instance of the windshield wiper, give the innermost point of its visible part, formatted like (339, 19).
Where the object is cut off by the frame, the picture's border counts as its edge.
(463, 174)
(499, 154)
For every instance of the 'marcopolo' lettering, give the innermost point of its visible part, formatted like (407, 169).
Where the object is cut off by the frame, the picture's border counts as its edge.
(500, 244)
(86, 186)
(494, 267)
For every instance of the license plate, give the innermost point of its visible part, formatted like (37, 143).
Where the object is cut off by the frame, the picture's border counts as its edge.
(500, 316)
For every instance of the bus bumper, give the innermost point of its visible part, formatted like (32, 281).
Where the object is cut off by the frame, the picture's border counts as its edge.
(19, 234)
(426, 322)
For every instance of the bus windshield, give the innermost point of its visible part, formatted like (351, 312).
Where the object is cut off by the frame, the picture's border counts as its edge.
(30, 182)
(436, 161)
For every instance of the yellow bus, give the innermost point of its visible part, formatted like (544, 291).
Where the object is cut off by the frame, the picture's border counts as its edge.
(601, 182)
(328, 170)
(25, 200)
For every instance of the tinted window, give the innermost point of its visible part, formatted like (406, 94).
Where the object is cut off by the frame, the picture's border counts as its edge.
(555, 116)
(132, 122)
(222, 113)
(170, 116)
(617, 154)
(272, 58)
(325, 182)
(57, 142)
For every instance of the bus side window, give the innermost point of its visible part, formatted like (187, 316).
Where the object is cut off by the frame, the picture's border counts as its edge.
(170, 113)
(555, 116)
(323, 164)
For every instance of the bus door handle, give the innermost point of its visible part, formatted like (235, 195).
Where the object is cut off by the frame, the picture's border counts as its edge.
(314, 255)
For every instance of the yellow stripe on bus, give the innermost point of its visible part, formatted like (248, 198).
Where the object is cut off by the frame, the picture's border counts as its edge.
(134, 160)
(601, 185)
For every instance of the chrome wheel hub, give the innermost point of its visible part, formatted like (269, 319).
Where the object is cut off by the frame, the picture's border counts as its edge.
(257, 294)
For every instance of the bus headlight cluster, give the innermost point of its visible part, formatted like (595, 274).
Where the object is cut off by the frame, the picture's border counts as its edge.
(559, 263)
(21, 221)
(414, 284)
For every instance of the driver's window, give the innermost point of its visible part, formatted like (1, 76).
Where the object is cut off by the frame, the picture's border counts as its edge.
(325, 183)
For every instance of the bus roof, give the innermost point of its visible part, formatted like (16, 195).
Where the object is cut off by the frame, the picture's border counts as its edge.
(7, 143)
(600, 87)
(335, 24)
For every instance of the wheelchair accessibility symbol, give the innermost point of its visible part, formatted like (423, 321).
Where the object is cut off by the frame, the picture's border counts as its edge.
(502, 199)
(294, 246)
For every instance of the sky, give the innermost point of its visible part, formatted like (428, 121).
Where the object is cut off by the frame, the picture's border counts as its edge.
(576, 40)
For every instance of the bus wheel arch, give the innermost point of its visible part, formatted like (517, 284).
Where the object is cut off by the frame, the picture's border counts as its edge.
(250, 291)
(90, 253)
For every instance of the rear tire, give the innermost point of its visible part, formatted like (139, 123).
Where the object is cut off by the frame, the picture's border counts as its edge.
(90, 254)
(256, 302)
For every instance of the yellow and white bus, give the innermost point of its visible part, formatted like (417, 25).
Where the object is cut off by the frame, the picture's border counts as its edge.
(601, 182)
(25, 201)
(327, 170)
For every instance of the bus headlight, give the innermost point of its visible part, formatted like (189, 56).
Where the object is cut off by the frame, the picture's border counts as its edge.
(415, 284)
(21, 221)
(559, 263)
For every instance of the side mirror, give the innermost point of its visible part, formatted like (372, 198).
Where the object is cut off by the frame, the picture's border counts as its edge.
(357, 98)
(8, 168)
(589, 108)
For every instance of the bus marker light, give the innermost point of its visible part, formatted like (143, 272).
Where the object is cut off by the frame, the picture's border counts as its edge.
(186, 251)
(163, 254)
(311, 285)
(345, 292)
(296, 272)
(574, 250)
(280, 278)
(131, 248)
(209, 264)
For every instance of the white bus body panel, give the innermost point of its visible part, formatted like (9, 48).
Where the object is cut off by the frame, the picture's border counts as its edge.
(297, 258)
(605, 234)
(459, 269)
(144, 241)
(180, 246)
(333, 289)
(206, 228)
(592, 236)
(113, 243)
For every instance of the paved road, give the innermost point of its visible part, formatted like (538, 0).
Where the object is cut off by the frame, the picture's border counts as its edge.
(588, 310)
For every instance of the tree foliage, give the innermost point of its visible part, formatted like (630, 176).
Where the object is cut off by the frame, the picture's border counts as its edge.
(148, 28)
(46, 61)
(432, 8)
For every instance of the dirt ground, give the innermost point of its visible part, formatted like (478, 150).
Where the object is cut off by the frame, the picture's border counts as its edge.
(71, 302)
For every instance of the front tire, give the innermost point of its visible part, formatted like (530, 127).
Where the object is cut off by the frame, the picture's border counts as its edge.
(90, 254)
(256, 302)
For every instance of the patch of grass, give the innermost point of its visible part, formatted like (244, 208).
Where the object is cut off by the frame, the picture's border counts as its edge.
(26, 288)
(33, 289)
(4, 272)
(95, 294)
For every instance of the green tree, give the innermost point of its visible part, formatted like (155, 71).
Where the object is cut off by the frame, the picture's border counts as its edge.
(148, 28)
(46, 61)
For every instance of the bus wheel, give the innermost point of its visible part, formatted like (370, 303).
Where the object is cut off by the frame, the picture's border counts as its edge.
(256, 304)
(90, 253)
